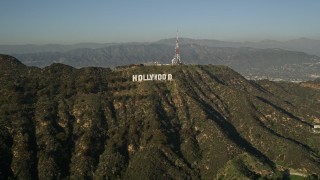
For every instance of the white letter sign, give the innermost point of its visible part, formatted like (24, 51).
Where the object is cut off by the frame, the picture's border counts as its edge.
(152, 77)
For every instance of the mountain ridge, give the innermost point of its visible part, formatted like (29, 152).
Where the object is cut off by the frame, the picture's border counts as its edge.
(208, 122)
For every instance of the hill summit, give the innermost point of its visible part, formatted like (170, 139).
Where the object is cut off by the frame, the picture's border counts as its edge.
(207, 122)
(7, 61)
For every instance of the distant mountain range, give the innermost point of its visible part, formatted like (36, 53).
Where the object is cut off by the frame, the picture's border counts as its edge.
(309, 46)
(290, 60)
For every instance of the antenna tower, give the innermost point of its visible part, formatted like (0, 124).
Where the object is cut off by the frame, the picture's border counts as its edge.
(176, 60)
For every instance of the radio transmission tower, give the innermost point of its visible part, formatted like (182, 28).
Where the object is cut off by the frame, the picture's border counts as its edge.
(176, 60)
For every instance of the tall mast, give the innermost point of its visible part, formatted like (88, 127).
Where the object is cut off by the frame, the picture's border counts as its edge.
(177, 48)
(176, 59)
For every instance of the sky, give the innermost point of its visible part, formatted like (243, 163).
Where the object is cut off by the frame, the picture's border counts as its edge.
(106, 21)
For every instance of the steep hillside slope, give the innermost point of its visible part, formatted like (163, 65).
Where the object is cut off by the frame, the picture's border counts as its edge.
(208, 122)
(312, 84)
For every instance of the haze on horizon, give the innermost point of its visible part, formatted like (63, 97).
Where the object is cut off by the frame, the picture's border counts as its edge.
(78, 21)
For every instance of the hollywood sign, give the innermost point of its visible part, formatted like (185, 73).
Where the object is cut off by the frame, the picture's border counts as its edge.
(152, 77)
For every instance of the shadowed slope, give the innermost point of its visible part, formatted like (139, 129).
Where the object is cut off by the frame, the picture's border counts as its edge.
(208, 122)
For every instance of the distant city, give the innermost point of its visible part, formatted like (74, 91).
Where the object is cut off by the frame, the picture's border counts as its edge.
(295, 60)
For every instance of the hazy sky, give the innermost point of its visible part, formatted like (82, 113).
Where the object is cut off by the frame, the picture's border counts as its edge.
(103, 21)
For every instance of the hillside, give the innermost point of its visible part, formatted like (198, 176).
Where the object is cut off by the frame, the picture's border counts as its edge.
(250, 62)
(208, 122)
(315, 84)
